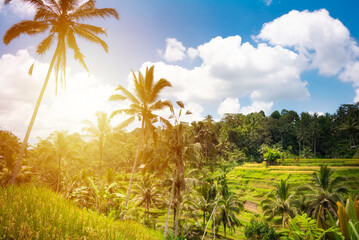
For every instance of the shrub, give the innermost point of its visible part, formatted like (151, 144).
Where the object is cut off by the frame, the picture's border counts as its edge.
(257, 230)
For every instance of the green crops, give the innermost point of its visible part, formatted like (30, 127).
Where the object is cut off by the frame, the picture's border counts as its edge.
(27, 212)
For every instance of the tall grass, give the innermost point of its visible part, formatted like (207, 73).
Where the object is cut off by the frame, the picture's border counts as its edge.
(27, 212)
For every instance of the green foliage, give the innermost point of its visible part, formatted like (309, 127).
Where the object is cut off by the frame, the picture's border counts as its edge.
(27, 212)
(303, 227)
(272, 155)
(348, 217)
(259, 230)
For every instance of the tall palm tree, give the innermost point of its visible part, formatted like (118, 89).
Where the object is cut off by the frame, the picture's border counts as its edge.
(144, 102)
(177, 148)
(62, 17)
(324, 192)
(148, 193)
(100, 132)
(279, 202)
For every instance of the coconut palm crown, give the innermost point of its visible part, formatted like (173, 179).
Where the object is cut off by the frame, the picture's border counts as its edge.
(61, 18)
(143, 103)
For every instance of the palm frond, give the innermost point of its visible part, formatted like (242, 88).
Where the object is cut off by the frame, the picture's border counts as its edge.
(25, 27)
(88, 12)
(71, 42)
(117, 97)
(91, 28)
(45, 13)
(149, 79)
(161, 84)
(45, 44)
(127, 94)
(90, 37)
(127, 122)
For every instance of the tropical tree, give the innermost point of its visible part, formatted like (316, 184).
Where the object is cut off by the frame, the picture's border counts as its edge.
(177, 149)
(62, 17)
(351, 127)
(324, 192)
(143, 103)
(227, 209)
(99, 132)
(279, 202)
(148, 193)
(62, 150)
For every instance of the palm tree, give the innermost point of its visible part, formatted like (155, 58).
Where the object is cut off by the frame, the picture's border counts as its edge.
(279, 202)
(325, 192)
(227, 208)
(100, 131)
(62, 150)
(62, 17)
(148, 193)
(351, 126)
(144, 102)
(177, 149)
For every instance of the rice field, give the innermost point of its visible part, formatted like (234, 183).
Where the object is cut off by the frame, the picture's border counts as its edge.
(253, 181)
(27, 212)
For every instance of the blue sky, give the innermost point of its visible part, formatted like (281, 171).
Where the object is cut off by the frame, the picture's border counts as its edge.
(221, 56)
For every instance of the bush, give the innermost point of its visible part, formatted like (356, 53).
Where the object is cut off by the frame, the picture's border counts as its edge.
(258, 230)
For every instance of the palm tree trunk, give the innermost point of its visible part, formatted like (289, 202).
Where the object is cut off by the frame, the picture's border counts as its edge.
(133, 169)
(283, 220)
(29, 128)
(204, 219)
(177, 211)
(170, 202)
(58, 175)
(205, 230)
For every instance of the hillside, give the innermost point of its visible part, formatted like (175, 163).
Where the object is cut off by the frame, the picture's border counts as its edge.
(27, 212)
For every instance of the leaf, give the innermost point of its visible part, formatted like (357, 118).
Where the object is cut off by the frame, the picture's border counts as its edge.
(31, 69)
(180, 104)
(343, 220)
(353, 230)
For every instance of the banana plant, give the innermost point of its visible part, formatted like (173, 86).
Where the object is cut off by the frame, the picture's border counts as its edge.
(348, 217)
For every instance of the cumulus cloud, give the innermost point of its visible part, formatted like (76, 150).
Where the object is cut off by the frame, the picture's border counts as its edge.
(257, 106)
(323, 39)
(231, 68)
(192, 53)
(229, 105)
(83, 97)
(19, 8)
(175, 50)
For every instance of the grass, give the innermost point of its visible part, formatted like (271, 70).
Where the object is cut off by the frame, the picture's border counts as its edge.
(27, 212)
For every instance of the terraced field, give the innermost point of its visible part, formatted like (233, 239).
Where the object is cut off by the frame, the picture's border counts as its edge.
(253, 181)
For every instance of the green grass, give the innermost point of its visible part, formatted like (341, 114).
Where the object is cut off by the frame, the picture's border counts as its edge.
(27, 212)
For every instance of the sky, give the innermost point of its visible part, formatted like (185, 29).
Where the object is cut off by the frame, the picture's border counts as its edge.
(224, 56)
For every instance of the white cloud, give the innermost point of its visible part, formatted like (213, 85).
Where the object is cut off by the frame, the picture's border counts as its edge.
(318, 113)
(192, 53)
(316, 35)
(257, 106)
(82, 98)
(175, 50)
(229, 105)
(232, 69)
(19, 8)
